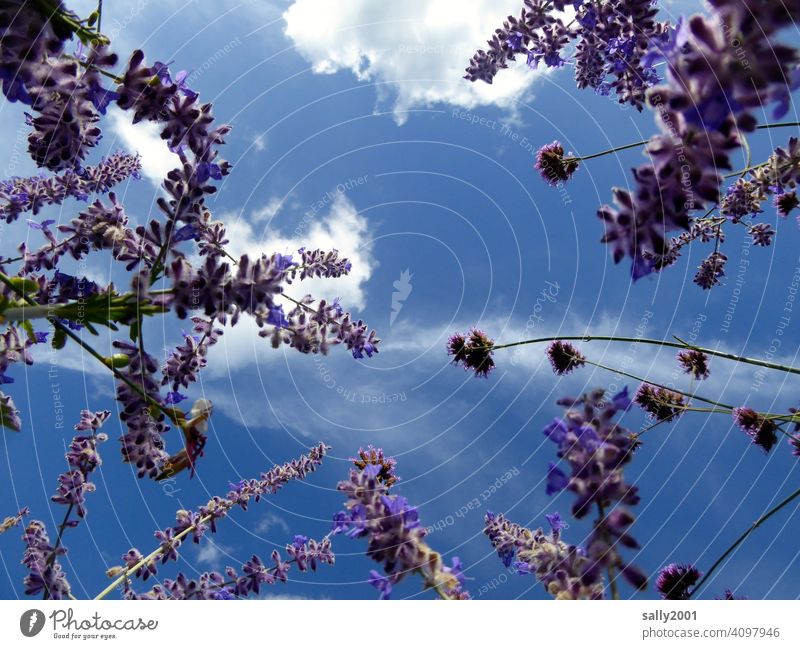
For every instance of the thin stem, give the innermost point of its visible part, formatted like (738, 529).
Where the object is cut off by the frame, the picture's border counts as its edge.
(658, 385)
(777, 125)
(150, 557)
(606, 152)
(742, 538)
(612, 573)
(52, 558)
(681, 344)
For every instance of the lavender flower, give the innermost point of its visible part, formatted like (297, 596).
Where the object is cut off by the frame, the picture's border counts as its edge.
(45, 574)
(694, 363)
(14, 348)
(19, 195)
(674, 581)
(742, 199)
(10, 522)
(106, 228)
(9, 415)
(564, 357)
(206, 517)
(183, 365)
(663, 404)
(786, 203)
(611, 52)
(395, 536)
(375, 456)
(710, 270)
(83, 458)
(473, 350)
(553, 166)
(596, 449)
(762, 234)
(760, 429)
(564, 570)
(142, 444)
(305, 555)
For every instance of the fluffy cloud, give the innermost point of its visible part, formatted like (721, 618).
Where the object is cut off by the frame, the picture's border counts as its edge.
(342, 228)
(144, 139)
(418, 47)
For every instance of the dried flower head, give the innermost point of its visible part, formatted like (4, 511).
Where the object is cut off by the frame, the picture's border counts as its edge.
(663, 404)
(674, 581)
(762, 430)
(473, 350)
(694, 362)
(553, 166)
(376, 457)
(564, 357)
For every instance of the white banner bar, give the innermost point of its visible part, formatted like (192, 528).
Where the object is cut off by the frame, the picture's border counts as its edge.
(349, 624)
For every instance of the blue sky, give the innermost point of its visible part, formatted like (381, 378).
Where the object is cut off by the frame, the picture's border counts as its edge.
(352, 128)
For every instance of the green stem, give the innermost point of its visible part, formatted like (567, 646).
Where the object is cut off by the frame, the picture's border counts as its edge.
(742, 538)
(663, 343)
(777, 125)
(172, 414)
(150, 557)
(606, 152)
(658, 385)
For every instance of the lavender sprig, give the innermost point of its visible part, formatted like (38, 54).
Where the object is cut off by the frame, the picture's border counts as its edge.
(206, 517)
(393, 531)
(19, 195)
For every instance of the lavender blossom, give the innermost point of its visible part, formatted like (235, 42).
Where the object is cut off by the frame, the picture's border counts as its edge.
(694, 363)
(206, 517)
(142, 444)
(554, 167)
(564, 357)
(711, 270)
(45, 574)
(473, 350)
(612, 45)
(20, 195)
(564, 570)
(375, 456)
(760, 429)
(596, 449)
(394, 535)
(663, 404)
(106, 228)
(184, 364)
(9, 415)
(761, 233)
(674, 581)
(303, 553)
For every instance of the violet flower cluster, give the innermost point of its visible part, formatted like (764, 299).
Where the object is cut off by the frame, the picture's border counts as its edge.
(45, 573)
(395, 537)
(710, 97)
(20, 195)
(565, 571)
(66, 95)
(611, 41)
(304, 553)
(596, 450)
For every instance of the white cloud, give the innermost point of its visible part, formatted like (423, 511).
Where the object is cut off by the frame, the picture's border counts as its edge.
(342, 228)
(211, 554)
(271, 521)
(419, 47)
(268, 211)
(144, 139)
(260, 143)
